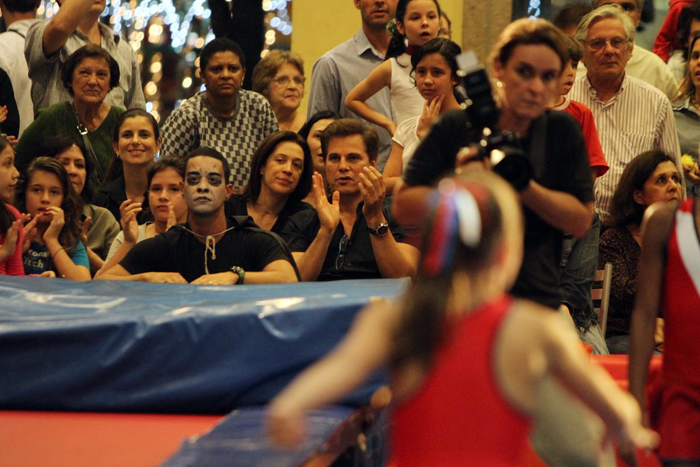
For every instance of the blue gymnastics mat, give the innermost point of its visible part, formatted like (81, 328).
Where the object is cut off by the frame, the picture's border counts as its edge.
(165, 348)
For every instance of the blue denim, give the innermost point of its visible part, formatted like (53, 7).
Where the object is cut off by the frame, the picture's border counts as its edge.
(579, 263)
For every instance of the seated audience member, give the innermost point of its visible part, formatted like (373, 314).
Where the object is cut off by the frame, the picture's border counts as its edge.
(53, 235)
(209, 249)
(280, 178)
(351, 235)
(688, 28)
(686, 110)
(166, 182)
(469, 362)
(136, 140)
(88, 74)
(279, 76)
(435, 73)
(99, 225)
(311, 132)
(668, 271)
(224, 117)
(11, 222)
(649, 178)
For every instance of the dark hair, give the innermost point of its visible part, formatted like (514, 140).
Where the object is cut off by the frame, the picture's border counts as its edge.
(574, 48)
(220, 44)
(571, 15)
(348, 127)
(133, 113)
(527, 31)
(687, 86)
(448, 50)
(688, 14)
(72, 204)
(322, 115)
(175, 163)
(88, 51)
(21, 6)
(6, 217)
(624, 209)
(213, 153)
(53, 147)
(262, 154)
(443, 253)
(397, 45)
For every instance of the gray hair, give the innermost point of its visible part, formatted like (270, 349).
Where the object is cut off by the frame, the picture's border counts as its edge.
(605, 12)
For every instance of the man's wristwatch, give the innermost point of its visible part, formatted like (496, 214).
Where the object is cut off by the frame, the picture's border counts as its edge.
(380, 231)
(240, 272)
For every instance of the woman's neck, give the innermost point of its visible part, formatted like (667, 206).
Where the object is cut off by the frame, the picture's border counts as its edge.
(136, 181)
(450, 103)
(288, 119)
(223, 107)
(91, 115)
(636, 232)
(508, 121)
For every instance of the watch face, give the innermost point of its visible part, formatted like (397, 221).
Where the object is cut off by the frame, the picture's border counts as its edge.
(382, 230)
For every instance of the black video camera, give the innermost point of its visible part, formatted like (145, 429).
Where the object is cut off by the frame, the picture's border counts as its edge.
(503, 149)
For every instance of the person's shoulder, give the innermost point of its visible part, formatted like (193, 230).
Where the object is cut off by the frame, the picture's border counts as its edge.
(253, 99)
(98, 212)
(341, 50)
(645, 90)
(561, 121)
(293, 207)
(191, 104)
(36, 28)
(649, 57)
(53, 110)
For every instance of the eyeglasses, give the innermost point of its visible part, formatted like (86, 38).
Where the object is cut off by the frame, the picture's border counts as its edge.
(616, 43)
(342, 248)
(285, 80)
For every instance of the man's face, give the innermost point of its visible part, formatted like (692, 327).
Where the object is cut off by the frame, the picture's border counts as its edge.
(205, 187)
(631, 8)
(606, 49)
(376, 13)
(224, 75)
(347, 156)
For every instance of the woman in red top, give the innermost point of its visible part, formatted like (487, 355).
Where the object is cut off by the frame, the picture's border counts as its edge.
(468, 360)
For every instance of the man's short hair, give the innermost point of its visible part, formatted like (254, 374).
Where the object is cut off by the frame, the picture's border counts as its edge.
(605, 12)
(571, 15)
(213, 153)
(221, 44)
(349, 127)
(21, 6)
(88, 51)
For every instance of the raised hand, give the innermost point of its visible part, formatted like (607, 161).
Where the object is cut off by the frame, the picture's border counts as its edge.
(130, 226)
(328, 213)
(431, 111)
(11, 237)
(373, 191)
(30, 231)
(172, 219)
(87, 224)
(57, 222)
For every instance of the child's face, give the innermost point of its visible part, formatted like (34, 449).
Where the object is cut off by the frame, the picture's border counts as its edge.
(43, 190)
(568, 76)
(8, 175)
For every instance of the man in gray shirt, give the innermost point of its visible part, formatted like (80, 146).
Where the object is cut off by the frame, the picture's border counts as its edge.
(340, 69)
(49, 43)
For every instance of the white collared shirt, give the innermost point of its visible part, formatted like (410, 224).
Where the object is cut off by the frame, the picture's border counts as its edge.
(15, 65)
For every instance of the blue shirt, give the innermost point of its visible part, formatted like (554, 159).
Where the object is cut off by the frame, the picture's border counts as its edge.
(37, 258)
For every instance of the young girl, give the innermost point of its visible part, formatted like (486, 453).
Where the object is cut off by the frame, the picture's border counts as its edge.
(10, 219)
(435, 72)
(417, 21)
(468, 360)
(167, 205)
(46, 193)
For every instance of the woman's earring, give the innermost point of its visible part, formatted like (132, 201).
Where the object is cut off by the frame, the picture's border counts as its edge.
(499, 83)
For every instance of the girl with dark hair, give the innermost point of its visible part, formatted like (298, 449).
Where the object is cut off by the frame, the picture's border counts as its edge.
(11, 232)
(136, 141)
(417, 21)
(452, 410)
(649, 178)
(99, 225)
(280, 178)
(46, 193)
(435, 73)
(311, 132)
(168, 208)
(686, 108)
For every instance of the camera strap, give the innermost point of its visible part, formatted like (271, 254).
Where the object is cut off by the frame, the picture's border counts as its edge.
(538, 146)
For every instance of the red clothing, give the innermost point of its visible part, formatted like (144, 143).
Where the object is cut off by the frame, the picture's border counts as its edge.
(583, 115)
(679, 410)
(665, 41)
(460, 416)
(13, 266)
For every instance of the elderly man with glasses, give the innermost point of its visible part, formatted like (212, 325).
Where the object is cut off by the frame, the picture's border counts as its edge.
(631, 116)
(351, 235)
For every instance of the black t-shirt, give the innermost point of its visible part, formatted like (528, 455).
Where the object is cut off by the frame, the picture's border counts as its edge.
(113, 194)
(358, 258)
(237, 206)
(178, 250)
(564, 168)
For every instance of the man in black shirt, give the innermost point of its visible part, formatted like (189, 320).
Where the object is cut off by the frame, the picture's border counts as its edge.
(209, 249)
(351, 235)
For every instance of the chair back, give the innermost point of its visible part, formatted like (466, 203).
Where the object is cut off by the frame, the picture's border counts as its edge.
(600, 293)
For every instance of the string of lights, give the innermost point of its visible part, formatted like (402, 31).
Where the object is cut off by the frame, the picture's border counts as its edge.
(167, 36)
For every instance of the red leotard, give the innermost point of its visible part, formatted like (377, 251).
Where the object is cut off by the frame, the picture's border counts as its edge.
(460, 416)
(679, 410)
